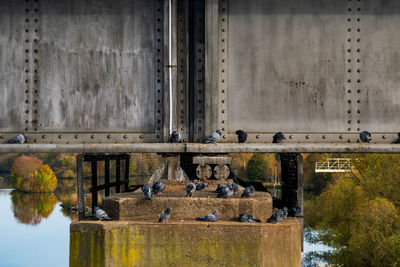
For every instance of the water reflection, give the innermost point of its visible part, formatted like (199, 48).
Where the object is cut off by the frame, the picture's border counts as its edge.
(30, 208)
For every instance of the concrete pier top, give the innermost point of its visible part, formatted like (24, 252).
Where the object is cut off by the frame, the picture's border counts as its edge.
(133, 206)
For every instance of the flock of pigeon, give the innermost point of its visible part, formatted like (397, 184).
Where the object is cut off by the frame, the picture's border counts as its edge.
(176, 137)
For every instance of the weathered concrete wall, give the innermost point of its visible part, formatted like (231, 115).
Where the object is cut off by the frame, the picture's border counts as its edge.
(133, 206)
(185, 244)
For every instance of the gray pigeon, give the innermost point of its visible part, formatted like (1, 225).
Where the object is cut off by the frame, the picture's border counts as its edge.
(247, 218)
(295, 212)
(235, 188)
(277, 217)
(365, 137)
(201, 186)
(19, 139)
(398, 139)
(101, 214)
(248, 191)
(164, 217)
(242, 136)
(278, 138)
(175, 137)
(146, 189)
(209, 217)
(219, 188)
(214, 137)
(158, 187)
(190, 188)
(225, 192)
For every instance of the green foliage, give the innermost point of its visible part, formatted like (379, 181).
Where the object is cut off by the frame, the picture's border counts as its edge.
(30, 175)
(315, 183)
(257, 167)
(359, 214)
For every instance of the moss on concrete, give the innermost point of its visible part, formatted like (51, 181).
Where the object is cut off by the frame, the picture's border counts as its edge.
(185, 244)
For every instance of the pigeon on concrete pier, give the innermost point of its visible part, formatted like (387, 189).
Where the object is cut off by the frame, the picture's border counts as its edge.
(278, 138)
(214, 137)
(225, 192)
(248, 191)
(276, 217)
(101, 214)
(294, 212)
(158, 187)
(175, 137)
(164, 217)
(219, 188)
(146, 189)
(365, 137)
(247, 218)
(19, 139)
(209, 217)
(201, 186)
(242, 136)
(235, 188)
(190, 188)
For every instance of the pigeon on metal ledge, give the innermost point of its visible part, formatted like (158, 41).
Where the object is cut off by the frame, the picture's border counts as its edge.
(278, 138)
(242, 136)
(101, 214)
(214, 137)
(175, 137)
(209, 218)
(146, 189)
(164, 217)
(398, 139)
(365, 137)
(19, 139)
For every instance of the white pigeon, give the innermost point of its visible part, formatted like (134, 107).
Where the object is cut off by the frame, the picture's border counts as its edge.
(101, 214)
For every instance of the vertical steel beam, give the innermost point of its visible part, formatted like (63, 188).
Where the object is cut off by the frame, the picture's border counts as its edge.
(79, 174)
(117, 176)
(126, 178)
(107, 177)
(94, 184)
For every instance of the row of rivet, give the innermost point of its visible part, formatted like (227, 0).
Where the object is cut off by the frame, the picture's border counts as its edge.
(159, 73)
(223, 66)
(182, 70)
(199, 74)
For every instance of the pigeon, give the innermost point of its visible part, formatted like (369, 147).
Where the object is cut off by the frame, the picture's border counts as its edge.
(190, 188)
(285, 212)
(235, 188)
(278, 138)
(398, 139)
(158, 187)
(295, 212)
(19, 139)
(247, 218)
(214, 137)
(225, 192)
(101, 214)
(175, 137)
(242, 136)
(248, 191)
(277, 217)
(146, 189)
(164, 217)
(365, 137)
(201, 186)
(209, 218)
(219, 188)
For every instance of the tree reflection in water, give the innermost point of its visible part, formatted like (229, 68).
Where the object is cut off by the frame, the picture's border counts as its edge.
(30, 208)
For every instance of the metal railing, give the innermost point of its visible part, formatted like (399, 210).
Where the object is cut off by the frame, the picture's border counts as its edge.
(335, 165)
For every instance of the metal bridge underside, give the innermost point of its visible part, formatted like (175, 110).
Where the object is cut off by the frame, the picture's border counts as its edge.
(93, 76)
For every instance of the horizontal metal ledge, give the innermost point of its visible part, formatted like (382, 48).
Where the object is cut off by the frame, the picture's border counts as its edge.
(201, 148)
